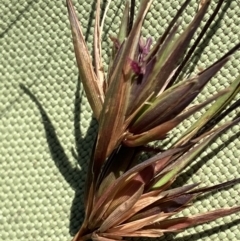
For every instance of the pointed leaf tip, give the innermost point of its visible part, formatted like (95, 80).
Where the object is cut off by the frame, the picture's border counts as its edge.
(87, 74)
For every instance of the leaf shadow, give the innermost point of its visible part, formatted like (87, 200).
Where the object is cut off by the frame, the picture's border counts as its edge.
(187, 175)
(71, 174)
(82, 155)
(17, 18)
(91, 19)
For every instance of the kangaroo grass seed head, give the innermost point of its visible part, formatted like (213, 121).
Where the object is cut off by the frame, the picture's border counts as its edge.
(141, 98)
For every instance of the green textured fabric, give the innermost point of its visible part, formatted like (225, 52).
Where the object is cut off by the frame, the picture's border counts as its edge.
(46, 128)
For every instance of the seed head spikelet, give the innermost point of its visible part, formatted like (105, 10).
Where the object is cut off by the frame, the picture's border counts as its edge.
(140, 99)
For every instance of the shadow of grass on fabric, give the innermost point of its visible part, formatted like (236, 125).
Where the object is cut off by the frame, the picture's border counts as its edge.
(17, 18)
(81, 144)
(184, 177)
(91, 19)
(70, 174)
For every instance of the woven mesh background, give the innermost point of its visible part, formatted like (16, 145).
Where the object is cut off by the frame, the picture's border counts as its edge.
(46, 128)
